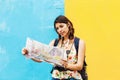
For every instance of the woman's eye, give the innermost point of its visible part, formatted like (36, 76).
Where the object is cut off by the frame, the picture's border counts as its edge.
(61, 26)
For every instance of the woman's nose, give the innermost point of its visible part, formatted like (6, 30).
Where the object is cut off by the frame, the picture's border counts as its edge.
(60, 30)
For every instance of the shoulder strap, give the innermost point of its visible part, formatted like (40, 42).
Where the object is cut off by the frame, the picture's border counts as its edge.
(76, 43)
(56, 42)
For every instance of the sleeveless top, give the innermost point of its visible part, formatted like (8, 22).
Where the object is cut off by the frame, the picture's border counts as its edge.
(66, 74)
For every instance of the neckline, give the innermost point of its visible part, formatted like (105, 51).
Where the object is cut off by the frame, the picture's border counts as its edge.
(68, 50)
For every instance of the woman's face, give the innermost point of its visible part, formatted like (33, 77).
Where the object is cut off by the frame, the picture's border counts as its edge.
(62, 29)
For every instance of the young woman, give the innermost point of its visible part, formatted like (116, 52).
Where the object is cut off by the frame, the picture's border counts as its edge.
(74, 67)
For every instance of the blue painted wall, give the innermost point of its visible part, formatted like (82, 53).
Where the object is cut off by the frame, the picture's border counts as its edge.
(20, 19)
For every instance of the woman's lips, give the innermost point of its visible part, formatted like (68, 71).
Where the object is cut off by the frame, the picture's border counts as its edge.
(62, 33)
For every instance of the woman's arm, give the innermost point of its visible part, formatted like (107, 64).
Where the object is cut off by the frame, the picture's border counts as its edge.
(36, 60)
(81, 55)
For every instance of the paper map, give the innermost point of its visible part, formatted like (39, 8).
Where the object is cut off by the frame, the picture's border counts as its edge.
(45, 52)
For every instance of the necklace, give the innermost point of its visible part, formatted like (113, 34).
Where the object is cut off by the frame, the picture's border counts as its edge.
(65, 43)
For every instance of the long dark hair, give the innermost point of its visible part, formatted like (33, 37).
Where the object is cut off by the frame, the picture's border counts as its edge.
(63, 19)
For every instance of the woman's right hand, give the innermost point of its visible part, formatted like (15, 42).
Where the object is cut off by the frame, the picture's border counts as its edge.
(24, 51)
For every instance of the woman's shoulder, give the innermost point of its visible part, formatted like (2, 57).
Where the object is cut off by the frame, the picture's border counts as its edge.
(82, 43)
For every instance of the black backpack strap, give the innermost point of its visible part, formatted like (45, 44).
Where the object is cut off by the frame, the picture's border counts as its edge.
(56, 42)
(76, 43)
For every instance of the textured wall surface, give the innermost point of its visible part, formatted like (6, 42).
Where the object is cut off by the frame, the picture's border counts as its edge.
(98, 23)
(20, 19)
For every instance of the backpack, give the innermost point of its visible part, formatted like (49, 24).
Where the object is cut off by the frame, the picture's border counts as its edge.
(83, 71)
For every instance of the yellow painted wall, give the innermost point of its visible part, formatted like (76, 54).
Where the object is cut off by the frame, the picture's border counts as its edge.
(98, 23)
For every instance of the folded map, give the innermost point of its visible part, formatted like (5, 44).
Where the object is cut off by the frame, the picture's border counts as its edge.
(41, 51)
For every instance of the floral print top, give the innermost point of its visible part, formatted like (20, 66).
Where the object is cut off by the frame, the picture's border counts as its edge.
(72, 58)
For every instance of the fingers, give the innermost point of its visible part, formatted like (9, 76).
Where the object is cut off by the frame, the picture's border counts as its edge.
(36, 60)
(24, 51)
(64, 63)
(47, 61)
